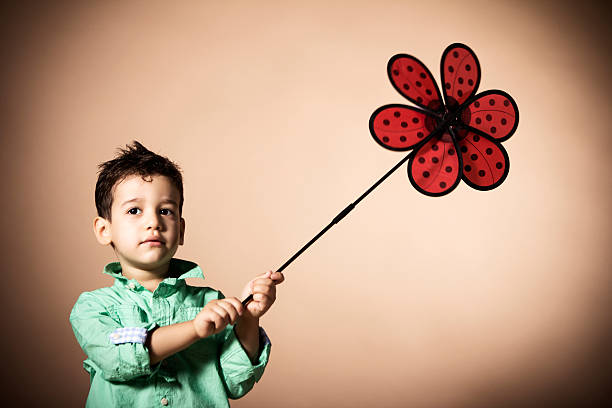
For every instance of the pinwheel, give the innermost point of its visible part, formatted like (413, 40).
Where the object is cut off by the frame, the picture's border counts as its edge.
(451, 136)
(471, 124)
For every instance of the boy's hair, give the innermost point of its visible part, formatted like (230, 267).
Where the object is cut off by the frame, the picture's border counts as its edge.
(135, 160)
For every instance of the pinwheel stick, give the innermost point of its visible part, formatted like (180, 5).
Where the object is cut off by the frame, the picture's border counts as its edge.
(350, 207)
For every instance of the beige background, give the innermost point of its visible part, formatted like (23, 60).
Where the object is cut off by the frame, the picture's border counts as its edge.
(476, 299)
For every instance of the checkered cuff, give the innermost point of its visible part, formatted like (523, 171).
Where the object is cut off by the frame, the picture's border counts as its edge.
(129, 335)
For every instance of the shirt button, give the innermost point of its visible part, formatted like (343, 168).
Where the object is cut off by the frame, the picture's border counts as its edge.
(131, 285)
(164, 401)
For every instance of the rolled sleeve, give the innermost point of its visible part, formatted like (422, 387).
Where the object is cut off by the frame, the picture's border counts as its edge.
(239, 373)
(94, 328)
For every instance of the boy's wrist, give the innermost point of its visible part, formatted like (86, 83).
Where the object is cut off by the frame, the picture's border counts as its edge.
(247, 321)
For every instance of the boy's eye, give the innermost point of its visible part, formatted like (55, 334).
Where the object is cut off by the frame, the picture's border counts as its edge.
(166, 211)
(133, 210)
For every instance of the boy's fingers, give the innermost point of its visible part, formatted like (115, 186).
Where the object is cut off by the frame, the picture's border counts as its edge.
(237, 304)
(217, 320)
(277, 277)
(265, 289)
(231, 311)
(220, 311)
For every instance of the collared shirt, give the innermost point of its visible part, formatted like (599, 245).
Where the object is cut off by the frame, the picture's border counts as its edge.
(111, 325)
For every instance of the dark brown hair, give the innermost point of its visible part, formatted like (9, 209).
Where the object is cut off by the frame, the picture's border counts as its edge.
(135, 160)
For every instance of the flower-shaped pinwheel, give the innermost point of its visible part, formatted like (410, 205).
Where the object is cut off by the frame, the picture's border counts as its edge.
(464, 122)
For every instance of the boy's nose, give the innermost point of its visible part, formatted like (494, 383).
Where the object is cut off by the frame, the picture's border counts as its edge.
(153, 222)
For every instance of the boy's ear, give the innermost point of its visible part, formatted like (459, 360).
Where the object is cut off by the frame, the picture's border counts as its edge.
(102, 229)
(182, 239)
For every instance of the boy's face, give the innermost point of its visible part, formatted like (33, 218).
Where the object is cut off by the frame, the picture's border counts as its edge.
(146, 228)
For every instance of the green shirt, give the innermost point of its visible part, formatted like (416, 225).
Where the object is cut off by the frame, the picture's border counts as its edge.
(205, 374)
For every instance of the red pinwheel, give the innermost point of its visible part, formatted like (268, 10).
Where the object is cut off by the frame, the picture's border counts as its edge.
(474, 125)
(459, 137)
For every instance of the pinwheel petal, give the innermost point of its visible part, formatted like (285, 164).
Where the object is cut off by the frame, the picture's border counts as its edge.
(485, 161)
(460, 72)
(411, 78)
(494, 113)
(400, 127)
(435, 169)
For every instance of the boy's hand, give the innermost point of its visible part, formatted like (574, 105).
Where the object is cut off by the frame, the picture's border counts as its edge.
(263, 289)
(216, 315)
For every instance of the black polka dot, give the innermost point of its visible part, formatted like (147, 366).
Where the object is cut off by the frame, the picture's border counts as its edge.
(489, 151)
(419, 84)
(447, 85)
(415, 120)
(404, 124)
(385, 139)
(395, 72)
(396, 114)
(451, 152)
(493, 129)
(448, 169)
(470, 82)
(489, 117)
(451, 69)
(463, 149)
(419, 100)
(491, 102)
(406, 86)
(468, 67)
(422, 75)
(460, 93)
(468, 167)
(435, 148)
(435, 159)
(442, 184)
(386, 122)
(455, 54)
(474, 157)
(421, 160)
(420, 135)
(504, 121)
(506, 102)
(410, 69)
(460, 80)
(428, 91)
(476, 138)
(425, 174)
(403, 138)
(478, 121)
(499, 165)
(481, 173)
(477, 104)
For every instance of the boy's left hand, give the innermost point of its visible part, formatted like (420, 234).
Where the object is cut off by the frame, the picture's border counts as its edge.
(263, 289)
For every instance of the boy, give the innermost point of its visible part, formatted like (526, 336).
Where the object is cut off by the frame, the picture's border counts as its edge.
(150, 339)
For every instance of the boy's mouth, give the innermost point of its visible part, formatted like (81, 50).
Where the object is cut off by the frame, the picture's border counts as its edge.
(152, 241)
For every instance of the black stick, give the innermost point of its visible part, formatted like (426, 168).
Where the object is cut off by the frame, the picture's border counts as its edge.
(350, 207)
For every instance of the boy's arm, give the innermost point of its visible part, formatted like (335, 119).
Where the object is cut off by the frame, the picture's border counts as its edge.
(263, 289)
(246, 349)
(164, 341)
(247, 332)
(116, 352)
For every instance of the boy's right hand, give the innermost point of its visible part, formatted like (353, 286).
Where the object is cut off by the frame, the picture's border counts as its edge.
(216, 315)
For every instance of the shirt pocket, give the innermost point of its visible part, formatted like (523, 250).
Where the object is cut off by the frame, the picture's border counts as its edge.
(130, 315)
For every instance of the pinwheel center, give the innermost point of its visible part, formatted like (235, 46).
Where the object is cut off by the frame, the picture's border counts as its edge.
(456, 119)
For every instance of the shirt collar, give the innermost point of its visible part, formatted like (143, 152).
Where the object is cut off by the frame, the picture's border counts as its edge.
(179, 269)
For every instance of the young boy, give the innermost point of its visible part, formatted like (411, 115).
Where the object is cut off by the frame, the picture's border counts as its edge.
(150, 339)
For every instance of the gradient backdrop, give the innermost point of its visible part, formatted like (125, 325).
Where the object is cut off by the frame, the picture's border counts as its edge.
(476, 299)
